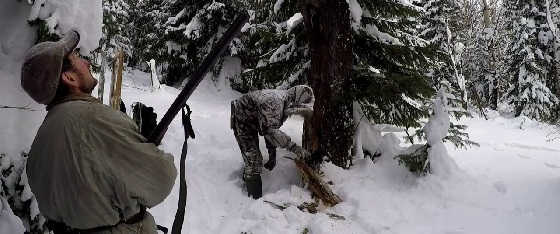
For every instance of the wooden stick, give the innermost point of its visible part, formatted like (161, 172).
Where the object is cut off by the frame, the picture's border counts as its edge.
(101, 85)
(17, 107)
(316, 185)
(117, 83)
(305, 207)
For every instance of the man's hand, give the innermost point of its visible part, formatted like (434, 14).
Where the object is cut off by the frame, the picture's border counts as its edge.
(271, 157)
(299, 151)
(270, 164)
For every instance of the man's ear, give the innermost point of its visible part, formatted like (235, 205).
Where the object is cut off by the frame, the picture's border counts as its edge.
(69, 79)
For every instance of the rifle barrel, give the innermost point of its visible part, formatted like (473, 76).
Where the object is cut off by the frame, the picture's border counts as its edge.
(196, 78)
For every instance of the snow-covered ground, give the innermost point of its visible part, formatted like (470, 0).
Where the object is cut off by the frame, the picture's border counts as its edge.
(510, 184)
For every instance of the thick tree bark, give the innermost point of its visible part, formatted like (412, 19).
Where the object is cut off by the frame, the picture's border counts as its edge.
(330, 130)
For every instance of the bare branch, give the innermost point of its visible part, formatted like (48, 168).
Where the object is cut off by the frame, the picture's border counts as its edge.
(26, 107)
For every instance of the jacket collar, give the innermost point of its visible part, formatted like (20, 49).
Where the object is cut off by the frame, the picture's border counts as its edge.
(73, 97)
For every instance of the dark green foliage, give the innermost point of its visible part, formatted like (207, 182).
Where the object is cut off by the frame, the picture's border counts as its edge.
(116, 21)
(43, 32)
(147, 32)
(191, 31)
(458, 136)
(273, 54)
(416, 160)
(388, 96)
(439, 26)
(390, 66)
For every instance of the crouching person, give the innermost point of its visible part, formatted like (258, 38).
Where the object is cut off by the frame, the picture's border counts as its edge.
(262, 113)
(89, 167)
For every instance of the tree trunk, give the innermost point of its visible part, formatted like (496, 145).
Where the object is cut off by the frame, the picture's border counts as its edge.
(117, 81)
(330, 130)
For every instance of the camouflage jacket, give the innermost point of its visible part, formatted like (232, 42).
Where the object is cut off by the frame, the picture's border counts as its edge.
(268, 109)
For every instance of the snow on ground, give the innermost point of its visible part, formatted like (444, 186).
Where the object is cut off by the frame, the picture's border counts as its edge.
(510, 184)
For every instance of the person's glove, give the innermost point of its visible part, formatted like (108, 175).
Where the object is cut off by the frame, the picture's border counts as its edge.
(270, 164)
(299, 151)
(271, 159)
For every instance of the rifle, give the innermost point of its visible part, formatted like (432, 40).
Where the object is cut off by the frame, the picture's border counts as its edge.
(181, 100)
(157, 135)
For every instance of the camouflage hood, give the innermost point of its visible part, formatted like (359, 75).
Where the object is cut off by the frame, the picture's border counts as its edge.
(299, 100)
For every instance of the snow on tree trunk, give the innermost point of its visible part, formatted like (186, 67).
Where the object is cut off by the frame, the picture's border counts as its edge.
(436, 129)
(330, 44)
(155, 80)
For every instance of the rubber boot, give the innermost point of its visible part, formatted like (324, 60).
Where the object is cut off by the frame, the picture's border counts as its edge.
(254, 186)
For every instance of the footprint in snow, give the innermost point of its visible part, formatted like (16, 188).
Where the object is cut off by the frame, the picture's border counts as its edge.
(500, 186)
(551, 165)
(523, 156)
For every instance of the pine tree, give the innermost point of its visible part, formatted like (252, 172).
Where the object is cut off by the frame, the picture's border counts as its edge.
(438, 26)
(388, 75)
(488, 82)
(273, 49)
(390, 64)
(115, 28)
(388, 71)
(191, 31)
(530, 60)
(145, 30)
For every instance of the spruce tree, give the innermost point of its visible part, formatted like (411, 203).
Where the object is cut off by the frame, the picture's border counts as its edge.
(438, 27)
(146, 31)
(115, 28)
(273, 49)
(191, 30)
(388, 73)
(530, 60)
(390, 80)
(389, 60)
(488, 82)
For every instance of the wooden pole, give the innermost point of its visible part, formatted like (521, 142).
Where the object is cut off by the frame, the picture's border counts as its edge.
(117, 83)
(101, 84)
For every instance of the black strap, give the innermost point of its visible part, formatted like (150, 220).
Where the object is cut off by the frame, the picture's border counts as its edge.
(182, 202)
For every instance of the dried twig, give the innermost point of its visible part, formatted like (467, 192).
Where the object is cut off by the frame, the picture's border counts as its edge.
(310, 207)
(17, 107)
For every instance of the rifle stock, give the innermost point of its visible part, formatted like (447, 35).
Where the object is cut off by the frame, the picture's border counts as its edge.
(157, 135)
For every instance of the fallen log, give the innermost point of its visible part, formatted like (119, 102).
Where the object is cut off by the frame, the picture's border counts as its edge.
(316, 185)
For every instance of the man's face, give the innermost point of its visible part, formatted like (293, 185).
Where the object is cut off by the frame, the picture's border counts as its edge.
(81, 68)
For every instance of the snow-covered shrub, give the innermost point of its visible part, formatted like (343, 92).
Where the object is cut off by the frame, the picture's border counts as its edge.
(431, 157)
(15, 189)
(415, 158)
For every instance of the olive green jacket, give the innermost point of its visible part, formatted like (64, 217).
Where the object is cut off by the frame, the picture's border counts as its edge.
(89, 166)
